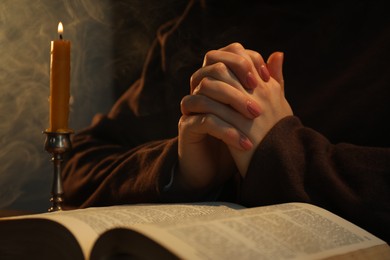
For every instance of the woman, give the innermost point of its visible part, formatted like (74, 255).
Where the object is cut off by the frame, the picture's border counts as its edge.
(135, 153)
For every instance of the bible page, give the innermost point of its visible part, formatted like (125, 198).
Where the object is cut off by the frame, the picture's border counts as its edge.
(87, 224)
(285, 231)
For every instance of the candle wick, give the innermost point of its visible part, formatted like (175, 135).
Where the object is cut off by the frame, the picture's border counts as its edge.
(60, 36)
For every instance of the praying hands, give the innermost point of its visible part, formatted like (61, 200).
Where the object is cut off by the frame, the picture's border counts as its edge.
(236, 98)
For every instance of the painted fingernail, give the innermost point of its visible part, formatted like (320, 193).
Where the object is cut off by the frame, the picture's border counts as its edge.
(264, 73)
(245, 143)
(253, 108)
(251, 80)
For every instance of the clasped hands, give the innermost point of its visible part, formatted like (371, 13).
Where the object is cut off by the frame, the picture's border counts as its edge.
(236, 98)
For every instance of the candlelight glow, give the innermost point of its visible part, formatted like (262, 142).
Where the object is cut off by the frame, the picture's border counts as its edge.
(60, 28)
(26, 29)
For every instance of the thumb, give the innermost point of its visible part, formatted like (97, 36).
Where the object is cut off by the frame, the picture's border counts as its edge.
(275, 67)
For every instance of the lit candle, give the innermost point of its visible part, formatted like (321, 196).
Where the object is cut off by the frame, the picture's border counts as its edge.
(59, 83)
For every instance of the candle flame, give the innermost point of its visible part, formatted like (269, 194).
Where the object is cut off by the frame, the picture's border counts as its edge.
(60, 28)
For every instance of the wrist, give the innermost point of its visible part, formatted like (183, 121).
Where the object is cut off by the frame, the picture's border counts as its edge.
(180, 189)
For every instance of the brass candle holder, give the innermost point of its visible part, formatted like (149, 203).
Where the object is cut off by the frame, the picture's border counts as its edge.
(57, 144)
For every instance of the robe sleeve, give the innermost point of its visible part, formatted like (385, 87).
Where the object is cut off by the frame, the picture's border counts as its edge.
(121, 158)
(296, 163)
(102, 174)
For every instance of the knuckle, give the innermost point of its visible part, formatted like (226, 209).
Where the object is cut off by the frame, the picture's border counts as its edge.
(220, 68)
(209, 56)
(184, 104)
(257, 56)
(243, 63)
(236, 46)
(184, 101)
(203, 85)
(206, 119)
(182, 122)
(191, 104)
(193, 79)
(229, 134)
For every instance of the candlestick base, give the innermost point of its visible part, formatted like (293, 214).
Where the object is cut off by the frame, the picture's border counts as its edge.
(57, 144)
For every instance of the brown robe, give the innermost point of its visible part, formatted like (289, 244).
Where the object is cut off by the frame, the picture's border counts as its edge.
(337, 81)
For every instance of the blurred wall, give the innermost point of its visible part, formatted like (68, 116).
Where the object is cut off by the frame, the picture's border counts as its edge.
(109, 42)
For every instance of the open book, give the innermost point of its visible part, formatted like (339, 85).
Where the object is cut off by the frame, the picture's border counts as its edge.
(188, 231)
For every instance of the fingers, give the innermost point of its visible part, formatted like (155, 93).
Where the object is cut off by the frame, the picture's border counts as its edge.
(259, 64)
(253, 56)
(215, 91)
(219, 80)
(218, 71)
(238, 61)
(194, 128)
(222, 121)
(247, 65)
(228, 94)
(200, 104)
(275, 67)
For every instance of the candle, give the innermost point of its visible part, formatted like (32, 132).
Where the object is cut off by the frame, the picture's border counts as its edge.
(59, 83)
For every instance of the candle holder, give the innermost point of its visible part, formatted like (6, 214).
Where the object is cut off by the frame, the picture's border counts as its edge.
(57, 144)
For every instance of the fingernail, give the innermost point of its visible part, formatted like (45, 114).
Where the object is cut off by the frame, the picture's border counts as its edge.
(253, 108)
(264, 73)
(245, 142)
(251, 80)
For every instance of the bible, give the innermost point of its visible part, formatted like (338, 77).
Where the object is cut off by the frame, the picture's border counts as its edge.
(212, 230)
